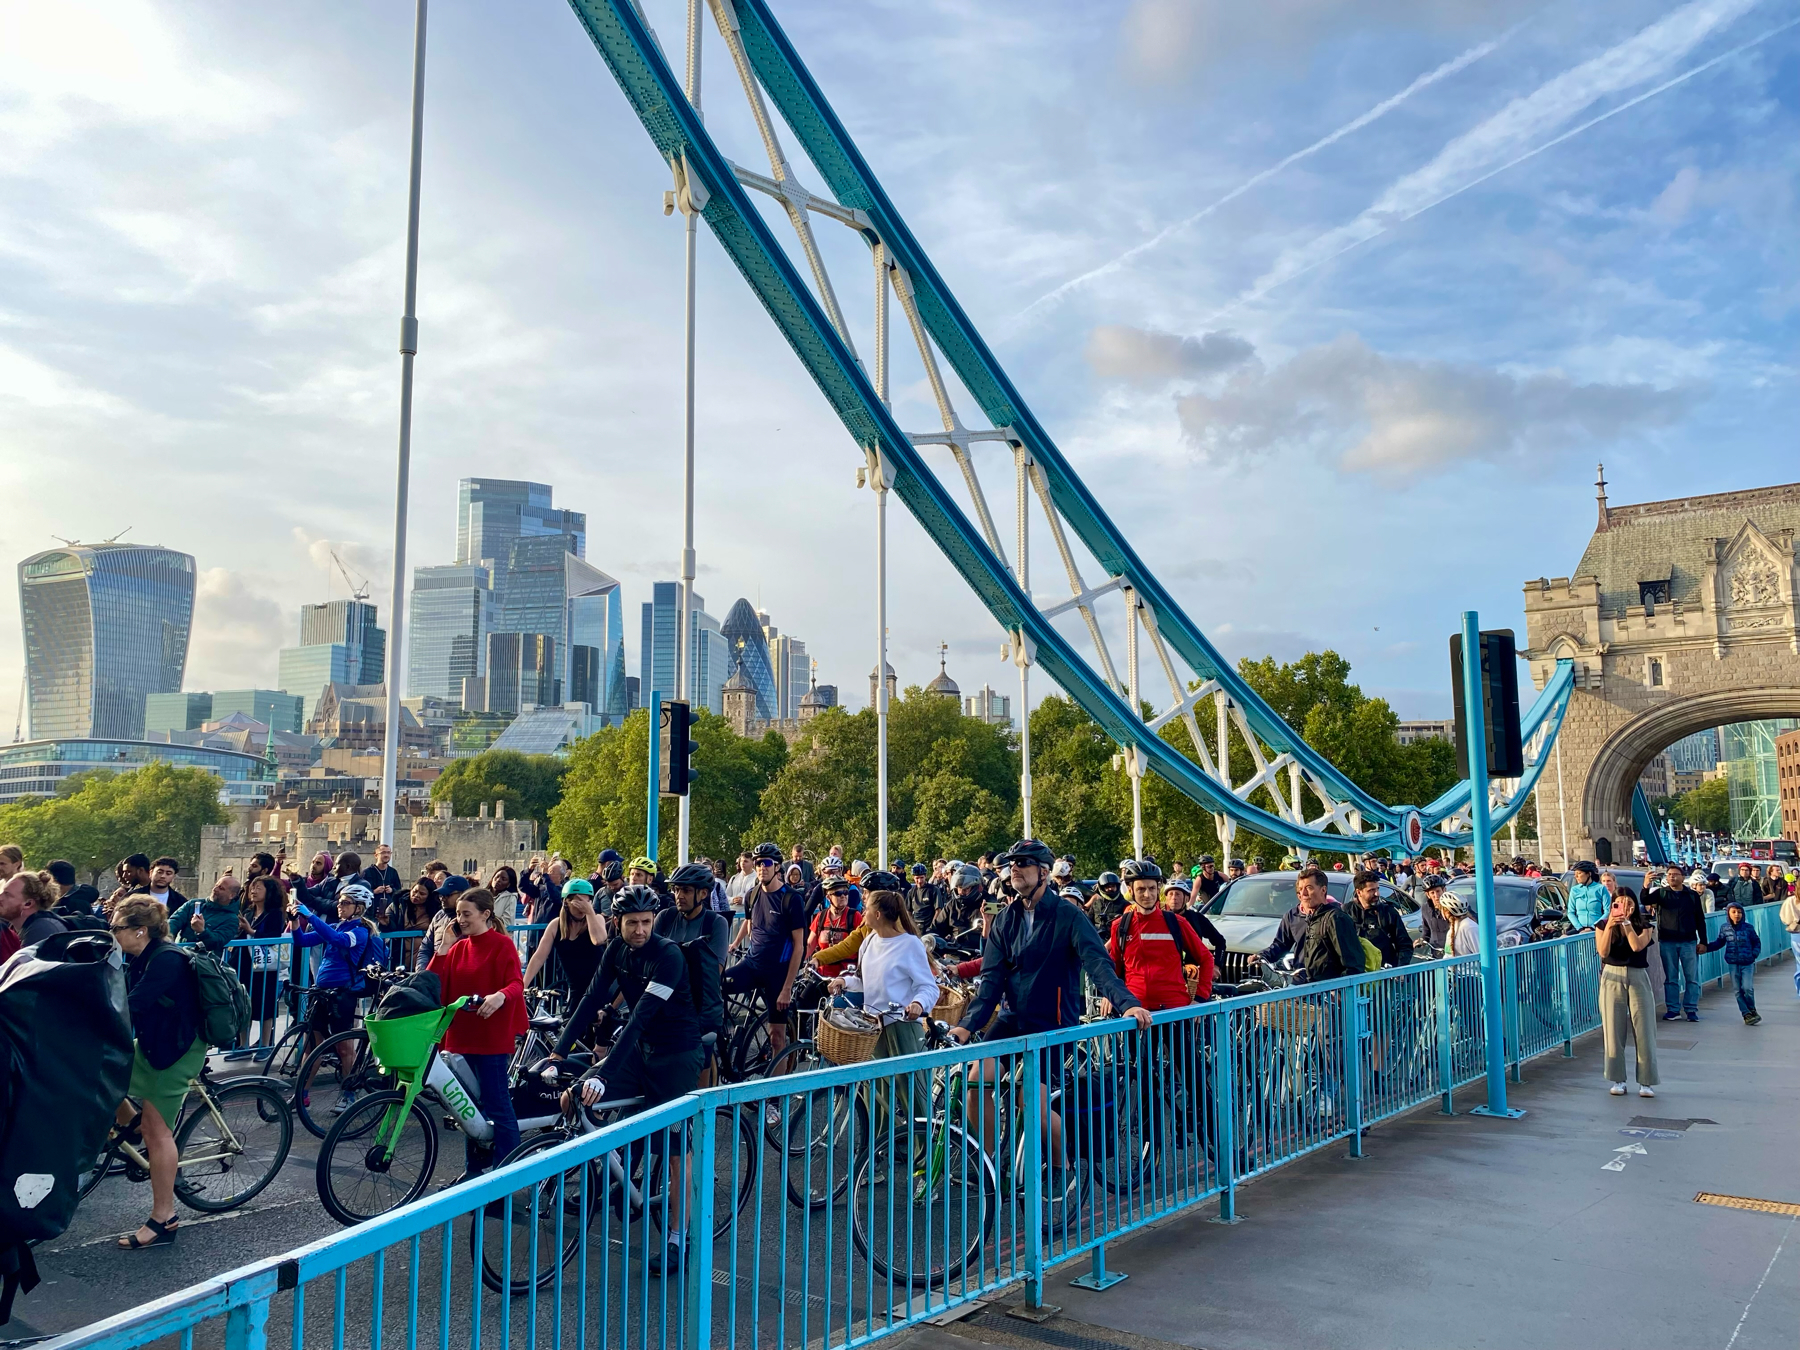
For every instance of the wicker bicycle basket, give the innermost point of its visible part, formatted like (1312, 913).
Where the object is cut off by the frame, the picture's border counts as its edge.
(1293, 1017)
(847, 1036)
(951, 1005)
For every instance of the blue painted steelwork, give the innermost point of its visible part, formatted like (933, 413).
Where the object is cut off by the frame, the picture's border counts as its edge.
(1643, 820)
(656, 95)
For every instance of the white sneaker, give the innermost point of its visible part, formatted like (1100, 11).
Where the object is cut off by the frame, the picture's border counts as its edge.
(1646, 1092)
(1617, 1089)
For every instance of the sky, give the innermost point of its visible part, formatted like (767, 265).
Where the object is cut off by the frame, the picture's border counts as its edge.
(1334, 306)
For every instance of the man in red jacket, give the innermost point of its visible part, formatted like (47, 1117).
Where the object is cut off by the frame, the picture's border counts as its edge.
(1150, 945)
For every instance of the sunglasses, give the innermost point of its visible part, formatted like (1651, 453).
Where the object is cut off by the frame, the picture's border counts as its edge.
(767, 862)
(124, 927)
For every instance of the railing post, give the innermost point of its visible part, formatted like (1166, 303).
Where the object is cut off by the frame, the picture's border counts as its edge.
(1568, 1005)
(1514, 1027)
(1446, 1047)
(1224, 1115)
(247, 1312)
(699, 1267)
(1349, 1022)
(1032, 1111)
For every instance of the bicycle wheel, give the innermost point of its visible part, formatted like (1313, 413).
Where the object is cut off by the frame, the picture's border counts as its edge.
(752, 1052)
(232, 1146)
(735, 1150)
(826, 1135)
(89, 1177)
(325, 1087)
(800, 1057)
(282, 1067)
(375, 1159)
(923, 1216)
(522, 1249)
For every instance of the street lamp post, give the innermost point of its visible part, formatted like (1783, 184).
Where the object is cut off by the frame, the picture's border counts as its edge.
(409, 348)
(684, 615)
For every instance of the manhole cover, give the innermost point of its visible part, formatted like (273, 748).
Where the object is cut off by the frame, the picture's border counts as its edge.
(1783, 1207)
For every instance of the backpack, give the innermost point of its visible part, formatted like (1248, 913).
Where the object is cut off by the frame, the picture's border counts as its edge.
(376, 953)
(703, 971)
(224, 1002)
(80, 921)
(1174, 932)
(1371, 955)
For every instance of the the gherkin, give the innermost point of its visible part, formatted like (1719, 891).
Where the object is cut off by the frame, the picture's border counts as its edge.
(744, 632)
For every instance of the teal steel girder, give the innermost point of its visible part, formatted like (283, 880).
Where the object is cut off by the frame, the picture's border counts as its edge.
(655, 93)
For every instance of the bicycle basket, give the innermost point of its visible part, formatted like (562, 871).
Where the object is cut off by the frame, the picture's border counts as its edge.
(847, 1036)
(1294, 1017)
(402, 1044)
(951, 1005)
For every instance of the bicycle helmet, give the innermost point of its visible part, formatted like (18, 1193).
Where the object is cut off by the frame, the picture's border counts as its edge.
(920, 870)
(1140, 869)
(1028, 851)
(882, 881)
(1180, 883)
(614, 872)
(1434, 882)
(697, 875)
(1073, 892)
(636, 900)
(357, 894)
(642, 864)
(577, 886)
(968, 877)
(832, 863)
(762, 851)
(833, 884)
(1453, 905)
(1107, 879)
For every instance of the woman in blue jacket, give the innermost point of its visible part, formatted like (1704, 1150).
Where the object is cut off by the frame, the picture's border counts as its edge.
(1588, 899)
(339, 979)
(1743, 946)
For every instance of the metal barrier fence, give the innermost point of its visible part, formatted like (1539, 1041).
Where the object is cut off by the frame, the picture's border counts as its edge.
(835, 1207)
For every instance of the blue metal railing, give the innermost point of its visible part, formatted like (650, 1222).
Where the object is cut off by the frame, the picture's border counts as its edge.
(836, 1207)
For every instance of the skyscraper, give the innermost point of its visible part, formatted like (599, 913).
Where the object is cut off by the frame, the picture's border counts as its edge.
(522, 669)
(710, 654)
(596, 642)
(352, 623)
(105, 626)
(492, 512)
(453, 611)
(789, 666)
(748, 647)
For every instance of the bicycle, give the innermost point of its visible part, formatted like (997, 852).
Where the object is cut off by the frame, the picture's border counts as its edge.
(231, 1145)
(525, 1238)
(382, 1151)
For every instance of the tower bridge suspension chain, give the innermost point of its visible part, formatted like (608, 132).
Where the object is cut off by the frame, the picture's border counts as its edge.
(1287, 772)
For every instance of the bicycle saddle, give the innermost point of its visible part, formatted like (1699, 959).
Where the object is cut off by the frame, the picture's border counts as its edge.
(544, 1022)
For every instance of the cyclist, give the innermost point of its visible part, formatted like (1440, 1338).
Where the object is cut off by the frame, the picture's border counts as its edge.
(165, 1017)
(922, 898)
(1318, 930)
(1150, 945)
(1177, 896)
(1107, 902)
(1206, 879)
(1034, 954)
(1435, 924)
(656, 1054)
(832, 924)
(338, 982)
(577, 936)
(484, 962)
(961, 908)
(776, 933)
(1379, 920)
(694, 920)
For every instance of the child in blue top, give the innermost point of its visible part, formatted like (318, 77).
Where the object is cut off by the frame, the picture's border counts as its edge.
(1742, 946)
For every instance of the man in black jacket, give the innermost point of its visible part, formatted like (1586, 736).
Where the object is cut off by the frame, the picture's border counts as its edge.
(1319, 931)
(922, 897)
(1680, 928)
(1379, 920)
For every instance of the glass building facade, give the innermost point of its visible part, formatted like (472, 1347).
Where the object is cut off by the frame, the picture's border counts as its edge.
(105, 626)
(176, 712)
(492, 512)
(746, 644)
(303, 672)
(1753, 778)
(453, 611)
(711, 655)
(352, 623)
(273, 708)
(36, 768)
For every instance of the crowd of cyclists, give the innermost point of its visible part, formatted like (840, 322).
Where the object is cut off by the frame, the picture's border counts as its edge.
(653, 970)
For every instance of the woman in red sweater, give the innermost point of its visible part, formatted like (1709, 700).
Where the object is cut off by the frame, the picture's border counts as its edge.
(483, 961)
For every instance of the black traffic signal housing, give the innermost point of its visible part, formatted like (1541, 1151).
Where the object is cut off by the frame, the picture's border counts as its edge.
(1499, 704)
(675, 768)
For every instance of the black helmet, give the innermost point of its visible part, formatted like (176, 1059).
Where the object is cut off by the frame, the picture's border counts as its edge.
(966, 877)
(615, 871)
(697, 875)
(920, 870)
(882, 881)
(1107, 879)
(1140, 869)
(762, 851)
(1027, 851)
(636, 900)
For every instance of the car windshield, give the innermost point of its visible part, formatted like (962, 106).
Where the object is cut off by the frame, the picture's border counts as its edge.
(1510, 897)
(1267, 897)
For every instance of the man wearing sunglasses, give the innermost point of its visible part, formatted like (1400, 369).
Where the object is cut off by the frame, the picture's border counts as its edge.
(775, 932)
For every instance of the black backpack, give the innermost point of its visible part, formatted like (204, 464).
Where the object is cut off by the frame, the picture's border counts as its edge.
(1174, 933)
(704, 972)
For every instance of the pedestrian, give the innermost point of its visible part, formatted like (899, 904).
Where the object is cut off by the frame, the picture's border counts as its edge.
(1627, 1002)
(75, 901)
(485, 963)
(1318, 931)
(1774, 885)
(162, 884)
(503, 885)
(1790, 920)
(1742, 946)
(131, 872)
(1588, 900)
(264, 918)
(1743, 889)
(213, 922)
(806, 868)
(383, 882)
(1378, 920)
(37, 918)
(1680, 928)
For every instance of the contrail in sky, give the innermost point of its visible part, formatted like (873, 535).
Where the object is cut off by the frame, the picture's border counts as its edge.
(1387, 105)
(1418, 192)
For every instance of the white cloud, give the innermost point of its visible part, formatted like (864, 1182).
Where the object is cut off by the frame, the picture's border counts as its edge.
(237, 631)
(1144, 356)
(1674, 202)
(1401, 418)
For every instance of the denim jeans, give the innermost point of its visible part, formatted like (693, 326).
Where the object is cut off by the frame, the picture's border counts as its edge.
(1743, 979)
(1794, 942)
(1681, 975)
(496, 1104)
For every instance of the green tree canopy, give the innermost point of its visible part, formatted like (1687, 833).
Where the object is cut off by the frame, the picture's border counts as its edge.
(529, 784)
(1706, 808)
(99, 817)
(605, 791)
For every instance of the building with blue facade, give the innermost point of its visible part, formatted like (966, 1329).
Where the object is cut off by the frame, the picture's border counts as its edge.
(709, 663)
(106, 625)
(453, 611)
(36, 768)
(749, 648)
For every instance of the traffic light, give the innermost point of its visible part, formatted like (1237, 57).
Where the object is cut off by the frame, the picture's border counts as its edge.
(675, 742)
(1499, 704)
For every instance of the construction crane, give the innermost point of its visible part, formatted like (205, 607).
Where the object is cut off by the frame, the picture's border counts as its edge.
(359, 593)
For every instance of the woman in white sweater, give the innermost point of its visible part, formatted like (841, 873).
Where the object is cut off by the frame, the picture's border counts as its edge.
(898, 987)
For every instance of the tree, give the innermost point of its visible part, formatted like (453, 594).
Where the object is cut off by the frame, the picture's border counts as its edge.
(1706, 808)
(97, 818)
(605, 790)
(529, 784)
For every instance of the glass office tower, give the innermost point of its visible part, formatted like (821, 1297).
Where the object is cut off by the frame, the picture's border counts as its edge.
(745, 639)
(709, 664)
(105, 625)
(492, 512)
(351, 622)
(453, 611)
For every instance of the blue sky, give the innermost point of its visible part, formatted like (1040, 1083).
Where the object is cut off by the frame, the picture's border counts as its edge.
(1335, 405)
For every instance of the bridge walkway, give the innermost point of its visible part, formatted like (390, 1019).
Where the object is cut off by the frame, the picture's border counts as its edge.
(1465, 1231)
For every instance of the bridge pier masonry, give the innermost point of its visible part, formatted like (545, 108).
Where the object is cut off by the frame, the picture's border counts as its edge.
(1681, 615)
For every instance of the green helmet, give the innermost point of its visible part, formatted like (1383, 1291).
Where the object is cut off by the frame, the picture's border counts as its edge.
(578, 886)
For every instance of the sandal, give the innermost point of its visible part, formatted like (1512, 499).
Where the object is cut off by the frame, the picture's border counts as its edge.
(165, 1234)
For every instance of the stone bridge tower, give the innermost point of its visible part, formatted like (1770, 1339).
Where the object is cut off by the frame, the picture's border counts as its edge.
(1680, 616)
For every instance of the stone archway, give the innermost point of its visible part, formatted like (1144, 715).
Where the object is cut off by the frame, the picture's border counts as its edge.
(1682, 615)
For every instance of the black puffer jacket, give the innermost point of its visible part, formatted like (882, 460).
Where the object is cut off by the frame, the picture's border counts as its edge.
(1381, 924)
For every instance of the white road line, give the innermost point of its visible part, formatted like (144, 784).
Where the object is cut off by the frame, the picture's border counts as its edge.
(189, 1223)
(1759, 1284)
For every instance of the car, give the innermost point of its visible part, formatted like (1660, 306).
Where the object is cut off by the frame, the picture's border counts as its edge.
(1629, 878)
(1521, 903)
(1247, 911)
